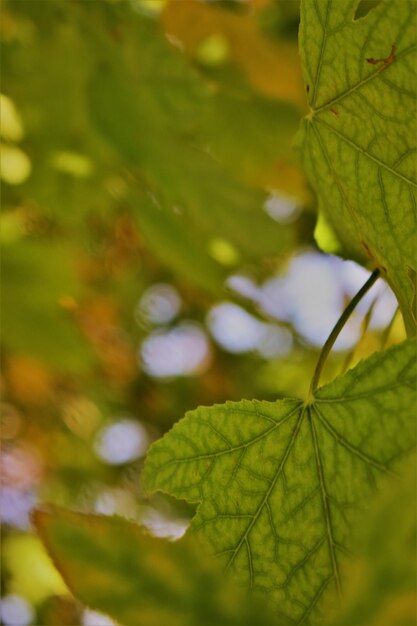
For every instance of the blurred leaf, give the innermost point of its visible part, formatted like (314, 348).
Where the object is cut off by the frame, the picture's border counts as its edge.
(176, 129)
(36, 278)
(279, 485)
(359, 156)
(60, 610)
(160, 152)
(381, 588)
(31, 572)
(279, 18)
(184, 165)
(175, 246)
(271, 67)
(114, 566)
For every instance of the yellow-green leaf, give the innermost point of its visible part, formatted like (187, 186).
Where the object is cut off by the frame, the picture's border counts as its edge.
(279, 485)
(359, 140)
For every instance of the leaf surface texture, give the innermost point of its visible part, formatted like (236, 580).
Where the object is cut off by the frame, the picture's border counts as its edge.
(359, 140)
(280, 484)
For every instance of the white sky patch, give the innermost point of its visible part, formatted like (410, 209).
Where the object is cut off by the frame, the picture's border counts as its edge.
(274, 299)
(353, 277)
(311, 295)
(161, 526)
(122, 442)
(15, 611)
(16, 506)
(237, 331)
(94, 618)
(276, 342)
(243, 285)
(180, 351)
(116, 501)
(234, 329)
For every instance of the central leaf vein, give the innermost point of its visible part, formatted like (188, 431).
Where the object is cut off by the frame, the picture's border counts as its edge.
(365, 153)
(270, 488)
(325, 504)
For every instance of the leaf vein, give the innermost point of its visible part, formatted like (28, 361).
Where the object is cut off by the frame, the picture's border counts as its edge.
(270, 488)
(364, 81)
(349, 446)
(365, 153)
(325, 505)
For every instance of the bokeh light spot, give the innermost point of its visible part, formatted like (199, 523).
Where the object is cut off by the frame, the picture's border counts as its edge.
(282, 208)
(312, 295)
(151, 8)
(160, 304)
(214, 50)
(73, 164)
(234, 329)
(223, 252)
(276, 342)
(116, 501)
(15, 165)
(161, 526)
(11, 127)
(21, 466)
(180, 351)
(15, 611)
(16, 506)
(121, 442)
(81, 416)
(243, 285)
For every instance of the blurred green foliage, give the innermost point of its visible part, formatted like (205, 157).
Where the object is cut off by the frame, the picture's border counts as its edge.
(142, 142)
(139, 174)
(382, 575)
(171, 582)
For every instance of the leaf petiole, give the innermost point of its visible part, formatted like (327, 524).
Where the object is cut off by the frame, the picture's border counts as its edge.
(365, 325)
(336, 331)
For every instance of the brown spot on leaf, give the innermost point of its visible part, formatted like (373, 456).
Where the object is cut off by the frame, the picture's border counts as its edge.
(307, 88)
(335, 112)
(367, 250)
(386, 61)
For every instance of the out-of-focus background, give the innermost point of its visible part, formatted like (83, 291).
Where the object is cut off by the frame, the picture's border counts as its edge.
(158, 253)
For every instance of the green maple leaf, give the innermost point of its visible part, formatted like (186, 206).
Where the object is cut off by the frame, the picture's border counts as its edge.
(359, 140)
(280, 484)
